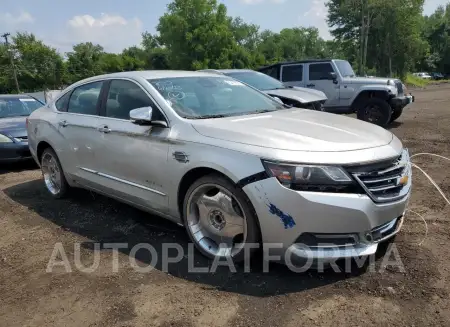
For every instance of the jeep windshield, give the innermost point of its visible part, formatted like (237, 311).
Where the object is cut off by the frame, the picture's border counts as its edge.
(259, 81)
(345, 68)
(202, 97)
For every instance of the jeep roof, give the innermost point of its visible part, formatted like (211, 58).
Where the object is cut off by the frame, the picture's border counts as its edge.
(305, 61)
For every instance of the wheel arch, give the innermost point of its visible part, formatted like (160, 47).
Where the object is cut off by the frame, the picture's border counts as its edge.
(364, 95)
(42, 145)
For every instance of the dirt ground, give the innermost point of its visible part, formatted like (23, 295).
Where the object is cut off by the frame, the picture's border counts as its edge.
(31, 223)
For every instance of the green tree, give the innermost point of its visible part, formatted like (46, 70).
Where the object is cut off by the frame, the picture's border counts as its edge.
(84, 61)
(197, 34)
(38, 65)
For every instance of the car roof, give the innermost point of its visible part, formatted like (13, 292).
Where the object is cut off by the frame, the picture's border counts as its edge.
(228, 71)
(296, 62)
(146, 74)
(14, 96)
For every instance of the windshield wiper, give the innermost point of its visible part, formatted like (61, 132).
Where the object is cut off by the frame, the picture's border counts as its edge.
(209, 116)
(259, 111)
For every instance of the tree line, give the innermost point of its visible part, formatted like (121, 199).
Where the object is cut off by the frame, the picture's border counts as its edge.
(379, 37)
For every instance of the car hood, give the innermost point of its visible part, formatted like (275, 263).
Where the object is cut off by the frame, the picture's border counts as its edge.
(368, 80)
(300, 94)
(296, 130)
(13, 126)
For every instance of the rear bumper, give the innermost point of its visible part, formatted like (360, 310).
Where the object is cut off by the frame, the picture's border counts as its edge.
(402, 101)
(14, 152)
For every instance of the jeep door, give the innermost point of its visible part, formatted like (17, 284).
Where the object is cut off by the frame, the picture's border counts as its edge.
(318, 77)
(292, 75)
(134, 157)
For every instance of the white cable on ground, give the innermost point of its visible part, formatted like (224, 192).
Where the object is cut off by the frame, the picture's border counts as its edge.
(432, 182)
(429, 154)
(426, 225)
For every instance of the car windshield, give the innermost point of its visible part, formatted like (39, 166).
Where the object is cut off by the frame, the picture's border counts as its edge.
(258, 80)
(15, 107)
(200, 97)
(345, 68)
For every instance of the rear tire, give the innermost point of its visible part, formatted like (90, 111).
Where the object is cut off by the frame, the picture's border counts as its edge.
(215, 211)
(396, 113)
(376, 111)
(53, 174)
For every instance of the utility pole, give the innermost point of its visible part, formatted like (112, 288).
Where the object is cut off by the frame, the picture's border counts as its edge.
(5, 36)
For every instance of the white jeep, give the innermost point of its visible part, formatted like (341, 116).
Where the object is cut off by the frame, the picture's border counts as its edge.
(373, 99)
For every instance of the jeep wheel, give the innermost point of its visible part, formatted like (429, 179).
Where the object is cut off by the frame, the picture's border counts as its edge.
(375, 111)
(397, 112)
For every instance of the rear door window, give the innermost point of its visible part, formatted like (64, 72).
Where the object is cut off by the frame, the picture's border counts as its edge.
(292, 73)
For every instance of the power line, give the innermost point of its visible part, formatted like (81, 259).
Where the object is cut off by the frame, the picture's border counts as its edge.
(5, 36)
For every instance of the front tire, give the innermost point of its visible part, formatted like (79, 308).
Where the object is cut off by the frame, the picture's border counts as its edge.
(376, 111)
(53, 174)
(219, 218)
(396, 113)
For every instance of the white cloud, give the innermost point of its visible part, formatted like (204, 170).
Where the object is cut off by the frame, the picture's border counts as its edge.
(112, 32)
(318, 13)
(8, 20)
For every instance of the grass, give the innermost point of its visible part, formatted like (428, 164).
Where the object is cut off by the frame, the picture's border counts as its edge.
(416, 81)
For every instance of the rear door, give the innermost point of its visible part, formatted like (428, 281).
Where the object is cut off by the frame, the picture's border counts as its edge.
(134, 157)
(292, 75)
(77, 123)
(318, 77)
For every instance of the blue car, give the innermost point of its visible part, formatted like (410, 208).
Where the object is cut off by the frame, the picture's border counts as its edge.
(14, 110)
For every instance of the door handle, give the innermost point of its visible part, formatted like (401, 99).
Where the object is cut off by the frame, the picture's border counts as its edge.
(310, 85)
(63, 123)
(104, 129)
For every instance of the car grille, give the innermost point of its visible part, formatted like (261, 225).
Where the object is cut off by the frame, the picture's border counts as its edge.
(399, 85)
(385, 181)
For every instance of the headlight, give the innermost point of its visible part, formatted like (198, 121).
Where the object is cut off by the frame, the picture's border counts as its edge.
(5, 139)
(312, 177)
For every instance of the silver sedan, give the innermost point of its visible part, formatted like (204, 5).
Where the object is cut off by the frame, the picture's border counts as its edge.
(228, 162)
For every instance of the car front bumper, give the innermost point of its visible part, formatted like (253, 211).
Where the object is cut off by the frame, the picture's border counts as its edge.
(14, 152)
(329, 216)
(402, 101)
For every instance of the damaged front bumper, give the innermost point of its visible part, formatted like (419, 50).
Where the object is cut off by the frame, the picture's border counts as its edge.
(298, 226)
(402, 101)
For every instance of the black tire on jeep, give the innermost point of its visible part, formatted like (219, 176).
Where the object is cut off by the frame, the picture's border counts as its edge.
(376, 111)
(397, 112)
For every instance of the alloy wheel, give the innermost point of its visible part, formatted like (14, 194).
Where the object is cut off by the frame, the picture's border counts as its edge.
(51, 173)
(216, 220)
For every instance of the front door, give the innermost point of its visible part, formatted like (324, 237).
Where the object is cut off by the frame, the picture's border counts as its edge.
(319, 78)
(134, 157)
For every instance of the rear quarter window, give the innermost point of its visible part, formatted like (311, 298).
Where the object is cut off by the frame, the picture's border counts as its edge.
(62, 102)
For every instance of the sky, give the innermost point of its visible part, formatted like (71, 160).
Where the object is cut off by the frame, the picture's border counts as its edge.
(117, 24)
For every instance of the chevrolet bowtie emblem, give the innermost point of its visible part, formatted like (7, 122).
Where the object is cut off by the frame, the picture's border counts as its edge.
(403, 180)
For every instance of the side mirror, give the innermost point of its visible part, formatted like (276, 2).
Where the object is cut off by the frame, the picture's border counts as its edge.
(333, 77)
(141, 116)
(277, 99)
